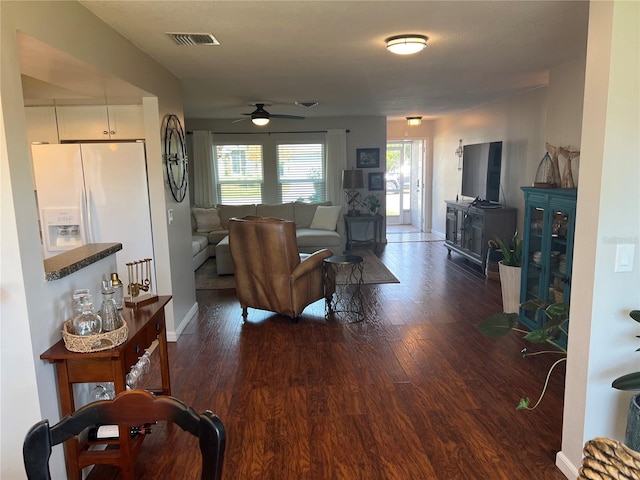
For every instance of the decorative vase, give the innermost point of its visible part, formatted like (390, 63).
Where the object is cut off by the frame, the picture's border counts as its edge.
(567, 174)
(510, 285)
(554, 152)
(632, 435)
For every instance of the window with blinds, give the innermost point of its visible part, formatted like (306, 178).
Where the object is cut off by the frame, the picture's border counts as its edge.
(239, 173)
(301, 172)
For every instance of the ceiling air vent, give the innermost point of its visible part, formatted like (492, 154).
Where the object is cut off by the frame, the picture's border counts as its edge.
(192, 39)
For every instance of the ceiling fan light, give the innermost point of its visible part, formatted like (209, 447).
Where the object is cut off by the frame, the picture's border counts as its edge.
(406, 44)
(260, 121)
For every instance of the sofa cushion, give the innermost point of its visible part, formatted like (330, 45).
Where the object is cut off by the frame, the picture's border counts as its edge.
(216, 235)
(325, 218)
(281, 210)
(198, 243)
(229, 211)
(307, 237)
(207, 219)
(304, 212)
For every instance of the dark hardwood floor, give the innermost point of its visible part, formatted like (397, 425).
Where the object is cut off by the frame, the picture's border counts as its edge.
(413, 392)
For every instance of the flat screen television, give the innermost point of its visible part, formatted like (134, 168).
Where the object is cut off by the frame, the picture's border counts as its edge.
(481, 168)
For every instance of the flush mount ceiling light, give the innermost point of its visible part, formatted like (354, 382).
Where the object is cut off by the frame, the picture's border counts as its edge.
(406, 44)
(414, 121)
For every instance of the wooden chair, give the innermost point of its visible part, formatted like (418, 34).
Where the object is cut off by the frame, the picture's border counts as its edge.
(130, 408)
(606, 459)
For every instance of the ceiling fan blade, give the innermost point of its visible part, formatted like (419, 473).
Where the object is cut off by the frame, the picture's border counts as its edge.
(240, 119)
(289, 117)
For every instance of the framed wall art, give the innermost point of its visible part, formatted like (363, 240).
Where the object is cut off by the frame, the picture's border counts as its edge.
(368, 158)
(376, 181)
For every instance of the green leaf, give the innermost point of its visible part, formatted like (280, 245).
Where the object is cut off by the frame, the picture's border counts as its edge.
(537, 336)
(535, 304)
(555, 322)
(524, 404)
(498, 325)
(635, 314)
(557, 310)
(630, 381)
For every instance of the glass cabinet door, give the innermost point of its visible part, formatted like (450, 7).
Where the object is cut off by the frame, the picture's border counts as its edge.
(548, 249)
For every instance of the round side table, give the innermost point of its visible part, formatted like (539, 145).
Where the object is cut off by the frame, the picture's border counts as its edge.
(343, 300)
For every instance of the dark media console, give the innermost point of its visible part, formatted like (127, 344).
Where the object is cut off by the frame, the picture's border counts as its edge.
(470, 227)
(479, 203)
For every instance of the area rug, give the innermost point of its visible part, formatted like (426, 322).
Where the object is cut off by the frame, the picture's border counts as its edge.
(373, 272)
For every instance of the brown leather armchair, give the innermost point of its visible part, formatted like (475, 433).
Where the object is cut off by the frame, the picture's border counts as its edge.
(269, 272)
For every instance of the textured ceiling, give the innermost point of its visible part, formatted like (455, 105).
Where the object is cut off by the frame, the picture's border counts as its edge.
(333, 52)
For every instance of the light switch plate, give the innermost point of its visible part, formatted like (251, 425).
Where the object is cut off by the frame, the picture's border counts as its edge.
(170, 216)
(624, 258)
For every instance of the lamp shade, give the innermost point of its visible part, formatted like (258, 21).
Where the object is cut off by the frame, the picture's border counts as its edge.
(352, 179)
(260, 121)
(406, 44)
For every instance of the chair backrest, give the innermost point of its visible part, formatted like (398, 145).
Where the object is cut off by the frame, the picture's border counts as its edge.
(130, 408)
(266, 245)
(606, 459)
(264, 253)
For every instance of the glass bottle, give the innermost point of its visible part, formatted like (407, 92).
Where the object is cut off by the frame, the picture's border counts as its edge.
(109, 311)
(87, 322)
(118, 294)
(78, 295)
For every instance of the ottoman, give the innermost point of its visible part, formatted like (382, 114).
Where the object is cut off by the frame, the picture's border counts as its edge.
(224, 263)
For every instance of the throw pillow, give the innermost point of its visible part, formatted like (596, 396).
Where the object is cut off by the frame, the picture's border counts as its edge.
(207, 219)
(325, 218)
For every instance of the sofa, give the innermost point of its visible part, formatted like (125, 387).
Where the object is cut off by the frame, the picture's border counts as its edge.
(318, 225)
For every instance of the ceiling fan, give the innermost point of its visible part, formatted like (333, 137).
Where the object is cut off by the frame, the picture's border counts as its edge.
(261, 117)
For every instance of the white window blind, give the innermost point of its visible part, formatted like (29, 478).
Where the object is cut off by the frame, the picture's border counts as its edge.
(239, 173)
(301, 172)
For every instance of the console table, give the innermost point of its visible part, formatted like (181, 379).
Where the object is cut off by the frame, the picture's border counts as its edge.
(375, 220)
(469, 229)
(145, 324)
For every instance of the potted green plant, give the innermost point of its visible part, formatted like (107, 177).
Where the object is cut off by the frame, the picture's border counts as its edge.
(557, 315)
(372, 203)
(510, 268)
(631, 381)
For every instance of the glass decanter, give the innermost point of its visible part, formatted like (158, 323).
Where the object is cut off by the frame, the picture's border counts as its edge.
(87, 322)
(109, 311)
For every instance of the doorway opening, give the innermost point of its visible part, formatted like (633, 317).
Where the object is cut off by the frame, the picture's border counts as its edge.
(404, 184)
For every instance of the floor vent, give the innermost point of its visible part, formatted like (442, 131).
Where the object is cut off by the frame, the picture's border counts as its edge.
(192, 39)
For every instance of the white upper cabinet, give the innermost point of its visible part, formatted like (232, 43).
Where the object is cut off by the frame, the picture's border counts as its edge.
(41, 125)
(100, 122)
(126, 122)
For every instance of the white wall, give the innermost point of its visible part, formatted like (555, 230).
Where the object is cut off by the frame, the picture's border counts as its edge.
(608, 214)
(518, 121)
(33, 309)
(524, 123)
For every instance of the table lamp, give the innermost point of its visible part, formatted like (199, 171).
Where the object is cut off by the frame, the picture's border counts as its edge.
(352, 180)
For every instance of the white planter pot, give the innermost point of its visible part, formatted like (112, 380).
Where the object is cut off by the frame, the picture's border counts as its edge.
(510, 283)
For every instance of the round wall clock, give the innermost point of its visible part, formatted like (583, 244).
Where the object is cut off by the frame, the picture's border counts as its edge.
(175, 155)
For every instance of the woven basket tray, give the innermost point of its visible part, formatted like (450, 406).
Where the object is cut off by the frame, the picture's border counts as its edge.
(93, 343)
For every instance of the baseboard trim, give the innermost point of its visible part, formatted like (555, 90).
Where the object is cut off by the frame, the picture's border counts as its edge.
(567, 468)
(172, 336)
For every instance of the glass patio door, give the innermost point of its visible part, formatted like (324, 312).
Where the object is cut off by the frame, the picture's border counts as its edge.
(403, 182)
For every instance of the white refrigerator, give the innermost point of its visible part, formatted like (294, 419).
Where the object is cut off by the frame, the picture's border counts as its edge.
(94, 193)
